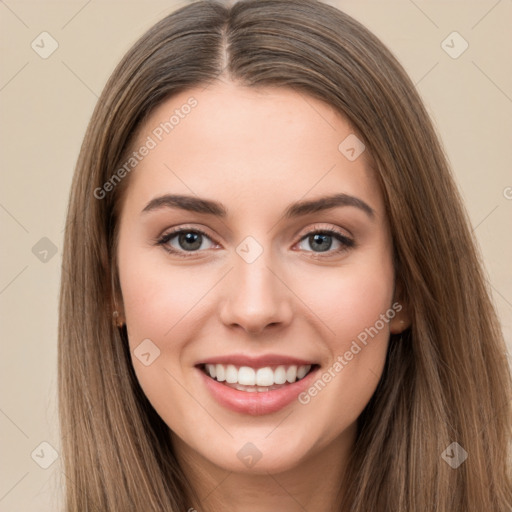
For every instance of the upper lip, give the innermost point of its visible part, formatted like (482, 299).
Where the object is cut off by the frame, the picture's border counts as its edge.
(256, 361)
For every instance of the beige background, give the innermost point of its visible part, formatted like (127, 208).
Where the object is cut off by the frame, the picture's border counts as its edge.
(46, 104)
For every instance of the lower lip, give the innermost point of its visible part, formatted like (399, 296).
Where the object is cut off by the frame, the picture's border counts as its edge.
(256, 403)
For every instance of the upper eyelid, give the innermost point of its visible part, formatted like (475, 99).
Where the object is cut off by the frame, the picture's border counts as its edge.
(181, 229)
(319, 227)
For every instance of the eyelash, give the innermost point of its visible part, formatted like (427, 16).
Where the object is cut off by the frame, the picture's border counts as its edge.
(346, 242)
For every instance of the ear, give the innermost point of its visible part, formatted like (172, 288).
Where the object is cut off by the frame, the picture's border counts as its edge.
(401, 320)
(116, 299)
(118, 311)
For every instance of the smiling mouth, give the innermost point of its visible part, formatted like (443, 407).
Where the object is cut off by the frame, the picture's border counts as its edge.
(246, 378)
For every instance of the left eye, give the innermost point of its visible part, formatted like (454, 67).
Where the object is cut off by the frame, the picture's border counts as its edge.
(323, 239)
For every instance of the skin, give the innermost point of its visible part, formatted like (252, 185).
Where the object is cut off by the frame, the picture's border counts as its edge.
(256, 151)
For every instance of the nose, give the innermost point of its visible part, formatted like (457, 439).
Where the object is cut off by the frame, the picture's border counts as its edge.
(256, 297)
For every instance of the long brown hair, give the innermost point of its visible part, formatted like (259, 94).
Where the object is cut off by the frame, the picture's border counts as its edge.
(446, 380)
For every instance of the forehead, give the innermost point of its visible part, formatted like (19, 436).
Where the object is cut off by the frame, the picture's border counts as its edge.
(258, 144)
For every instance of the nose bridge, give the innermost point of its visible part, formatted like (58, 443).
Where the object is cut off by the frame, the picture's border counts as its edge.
(256, 297)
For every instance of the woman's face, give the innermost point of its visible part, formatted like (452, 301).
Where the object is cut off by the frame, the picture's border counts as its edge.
(255, 285)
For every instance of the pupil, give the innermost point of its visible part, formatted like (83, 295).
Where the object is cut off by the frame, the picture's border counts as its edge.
(191, 238)
(322, 239)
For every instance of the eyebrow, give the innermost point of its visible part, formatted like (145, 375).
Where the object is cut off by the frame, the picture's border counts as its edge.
(210, 207)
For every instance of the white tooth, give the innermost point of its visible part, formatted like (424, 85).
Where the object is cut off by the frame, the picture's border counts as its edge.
(220, 373)
(291, 374)
(280, 375)
(302, 370)
(261, 379)
(210, 368)
(246, 376)
(265, 377)
(231, 374)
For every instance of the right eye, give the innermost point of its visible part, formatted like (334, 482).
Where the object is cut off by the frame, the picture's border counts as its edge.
(187, 240)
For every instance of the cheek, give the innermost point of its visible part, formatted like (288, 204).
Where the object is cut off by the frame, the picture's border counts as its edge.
(355, 304)
(350, 300)
(159, 305)
(356, 307)
(155, 297)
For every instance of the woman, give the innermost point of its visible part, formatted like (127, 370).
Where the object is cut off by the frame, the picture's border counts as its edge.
(271, 297)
